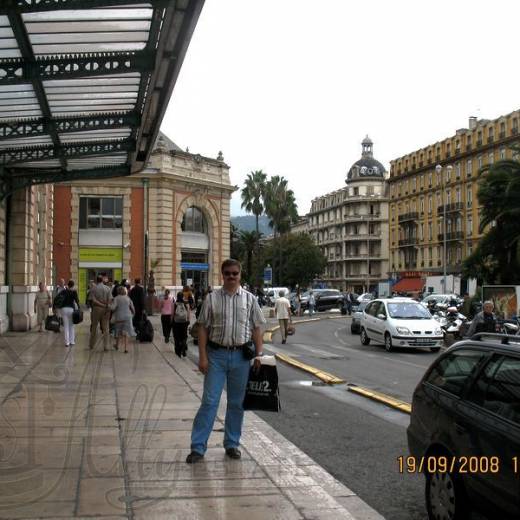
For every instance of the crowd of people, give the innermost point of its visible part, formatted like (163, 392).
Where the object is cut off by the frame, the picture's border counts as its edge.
(119, 311)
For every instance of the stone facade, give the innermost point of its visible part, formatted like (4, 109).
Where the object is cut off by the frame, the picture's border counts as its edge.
(154, 204)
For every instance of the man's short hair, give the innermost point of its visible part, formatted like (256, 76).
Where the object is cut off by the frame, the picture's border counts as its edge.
(489, 302)
(282, 294)
(99, 278)
(230, 262)
(137, 280)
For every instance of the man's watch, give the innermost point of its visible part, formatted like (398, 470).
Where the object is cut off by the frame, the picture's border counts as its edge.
(260, 354)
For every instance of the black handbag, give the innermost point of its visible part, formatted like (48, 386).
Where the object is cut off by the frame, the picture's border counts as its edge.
(249, 350)
(77, 316)
(262, 391)
(52, 322)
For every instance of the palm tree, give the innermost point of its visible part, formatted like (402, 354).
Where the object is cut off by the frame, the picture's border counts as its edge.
(281, 208)
(497, 257)
(252, 194)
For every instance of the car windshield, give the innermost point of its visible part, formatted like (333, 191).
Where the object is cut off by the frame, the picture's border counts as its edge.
(408, 311)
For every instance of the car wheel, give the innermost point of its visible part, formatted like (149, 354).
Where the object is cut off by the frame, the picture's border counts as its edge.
(353, 330)
(435, 349)
(365, 340)
(445, 497)
(388, 343)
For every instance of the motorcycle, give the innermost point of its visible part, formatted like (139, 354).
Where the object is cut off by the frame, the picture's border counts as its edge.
(452, 324)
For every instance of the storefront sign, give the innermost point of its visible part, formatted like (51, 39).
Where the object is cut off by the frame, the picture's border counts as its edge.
(188, 266)
(101, 254)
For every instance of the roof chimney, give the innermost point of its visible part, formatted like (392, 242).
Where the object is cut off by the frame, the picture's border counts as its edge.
(472, 122)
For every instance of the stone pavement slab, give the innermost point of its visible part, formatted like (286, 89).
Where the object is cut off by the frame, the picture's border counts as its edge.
(93, 434)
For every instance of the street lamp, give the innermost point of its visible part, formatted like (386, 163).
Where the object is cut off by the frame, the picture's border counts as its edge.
(438, 169)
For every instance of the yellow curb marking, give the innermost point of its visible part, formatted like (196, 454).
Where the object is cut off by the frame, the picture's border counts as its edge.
(320, 374)
(381, 398)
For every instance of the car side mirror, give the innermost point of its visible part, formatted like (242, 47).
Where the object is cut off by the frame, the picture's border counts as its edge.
(381, 316)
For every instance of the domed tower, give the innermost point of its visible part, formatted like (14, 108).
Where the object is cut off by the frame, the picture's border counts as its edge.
(367, 167)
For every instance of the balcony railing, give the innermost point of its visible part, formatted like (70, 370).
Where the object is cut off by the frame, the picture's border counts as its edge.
(453, 235)
(408, 241)
(407, 217)
(451, 207)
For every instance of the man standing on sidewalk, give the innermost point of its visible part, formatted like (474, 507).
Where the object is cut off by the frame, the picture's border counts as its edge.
(230, 318)
(100, 297)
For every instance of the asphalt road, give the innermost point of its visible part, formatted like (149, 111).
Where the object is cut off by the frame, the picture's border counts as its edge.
(355, 439)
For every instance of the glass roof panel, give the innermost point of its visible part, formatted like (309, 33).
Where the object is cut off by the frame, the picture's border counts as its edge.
(84, 47)
(94, 15)
(26, 141)
(98, 26)
(95, 135)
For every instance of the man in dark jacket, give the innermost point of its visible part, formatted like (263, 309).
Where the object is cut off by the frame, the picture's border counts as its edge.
(484, 321)
(136, 294)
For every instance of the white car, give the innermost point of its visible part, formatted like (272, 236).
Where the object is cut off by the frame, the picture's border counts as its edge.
(400, 322)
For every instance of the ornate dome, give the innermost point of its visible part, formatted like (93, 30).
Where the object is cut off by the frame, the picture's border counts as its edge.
(367, 166)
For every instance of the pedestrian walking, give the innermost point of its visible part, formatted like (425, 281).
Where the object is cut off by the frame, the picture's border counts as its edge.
(137, 296)
(42, 302)
(298, 303)
(59, 287)
(230, 321)
(122, 313)
(181, 321)
(311, 302)
(100, 297)
(70, 302)
(166, 315)
(282, 310)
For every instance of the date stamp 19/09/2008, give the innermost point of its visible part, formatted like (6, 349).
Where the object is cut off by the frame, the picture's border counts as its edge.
(449, 464)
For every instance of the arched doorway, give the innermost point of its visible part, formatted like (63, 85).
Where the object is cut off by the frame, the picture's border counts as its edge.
(195, 248)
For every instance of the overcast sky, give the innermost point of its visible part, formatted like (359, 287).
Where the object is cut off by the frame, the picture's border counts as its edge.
(291, 87)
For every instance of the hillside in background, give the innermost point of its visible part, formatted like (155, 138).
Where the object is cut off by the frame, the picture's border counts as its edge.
(247, 223)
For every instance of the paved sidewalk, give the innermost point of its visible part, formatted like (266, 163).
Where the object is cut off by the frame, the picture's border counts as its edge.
(104, 435)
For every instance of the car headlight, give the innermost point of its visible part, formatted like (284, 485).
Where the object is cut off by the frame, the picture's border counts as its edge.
(437, 332)
(403, 331)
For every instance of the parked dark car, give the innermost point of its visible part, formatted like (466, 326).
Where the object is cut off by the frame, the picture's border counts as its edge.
(325, 299)
(464, 432)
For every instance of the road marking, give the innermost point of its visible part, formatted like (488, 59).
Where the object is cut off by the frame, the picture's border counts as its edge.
(320, 374)
(402, 406)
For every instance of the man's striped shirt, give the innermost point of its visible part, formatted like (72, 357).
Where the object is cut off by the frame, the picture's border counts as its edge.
(230, 318)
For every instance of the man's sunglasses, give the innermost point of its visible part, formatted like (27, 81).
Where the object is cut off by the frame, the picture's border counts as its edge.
(231, 273)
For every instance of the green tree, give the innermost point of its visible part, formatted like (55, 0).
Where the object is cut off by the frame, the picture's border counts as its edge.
(249, 241)
(497, 256)
(303, 260)
(236, 249)
(252, 194)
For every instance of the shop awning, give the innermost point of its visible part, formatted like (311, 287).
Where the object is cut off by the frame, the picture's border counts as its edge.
(84, 85)
(409, 285)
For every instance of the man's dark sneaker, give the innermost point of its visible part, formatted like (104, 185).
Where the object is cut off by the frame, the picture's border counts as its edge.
(194, 457)
(283, 341)
(233, 453)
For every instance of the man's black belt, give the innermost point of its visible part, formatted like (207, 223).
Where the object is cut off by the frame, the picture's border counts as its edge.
(212, 344)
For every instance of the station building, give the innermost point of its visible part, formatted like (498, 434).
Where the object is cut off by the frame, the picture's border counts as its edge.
(172, 218)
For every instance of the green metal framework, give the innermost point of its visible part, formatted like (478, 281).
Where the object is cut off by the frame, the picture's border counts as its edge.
(84, 85)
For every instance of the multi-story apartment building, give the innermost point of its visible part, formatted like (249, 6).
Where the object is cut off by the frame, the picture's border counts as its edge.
(351, 226)
(442, 179)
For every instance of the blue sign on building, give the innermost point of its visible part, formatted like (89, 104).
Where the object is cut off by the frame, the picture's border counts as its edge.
(268, 275)
(188, 266)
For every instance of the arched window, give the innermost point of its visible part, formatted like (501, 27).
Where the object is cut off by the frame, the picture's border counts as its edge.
(194, 221)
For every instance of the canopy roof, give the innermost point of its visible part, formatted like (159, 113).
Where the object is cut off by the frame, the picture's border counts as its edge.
(84, 85)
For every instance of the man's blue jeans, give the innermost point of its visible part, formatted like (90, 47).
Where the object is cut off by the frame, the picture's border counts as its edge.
(223, 365)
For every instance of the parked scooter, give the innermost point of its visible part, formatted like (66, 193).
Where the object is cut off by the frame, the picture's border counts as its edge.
(452, 324)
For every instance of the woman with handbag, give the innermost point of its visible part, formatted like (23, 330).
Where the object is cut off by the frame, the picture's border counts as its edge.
(122, 312)
(181, 320)
(70, 303)
(42, 302)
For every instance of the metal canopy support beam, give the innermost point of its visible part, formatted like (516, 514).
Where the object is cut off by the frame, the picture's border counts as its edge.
(20, 33)
(42, 126)
(19, 71)
(35, 6)
(14, 179)
(39, 153)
